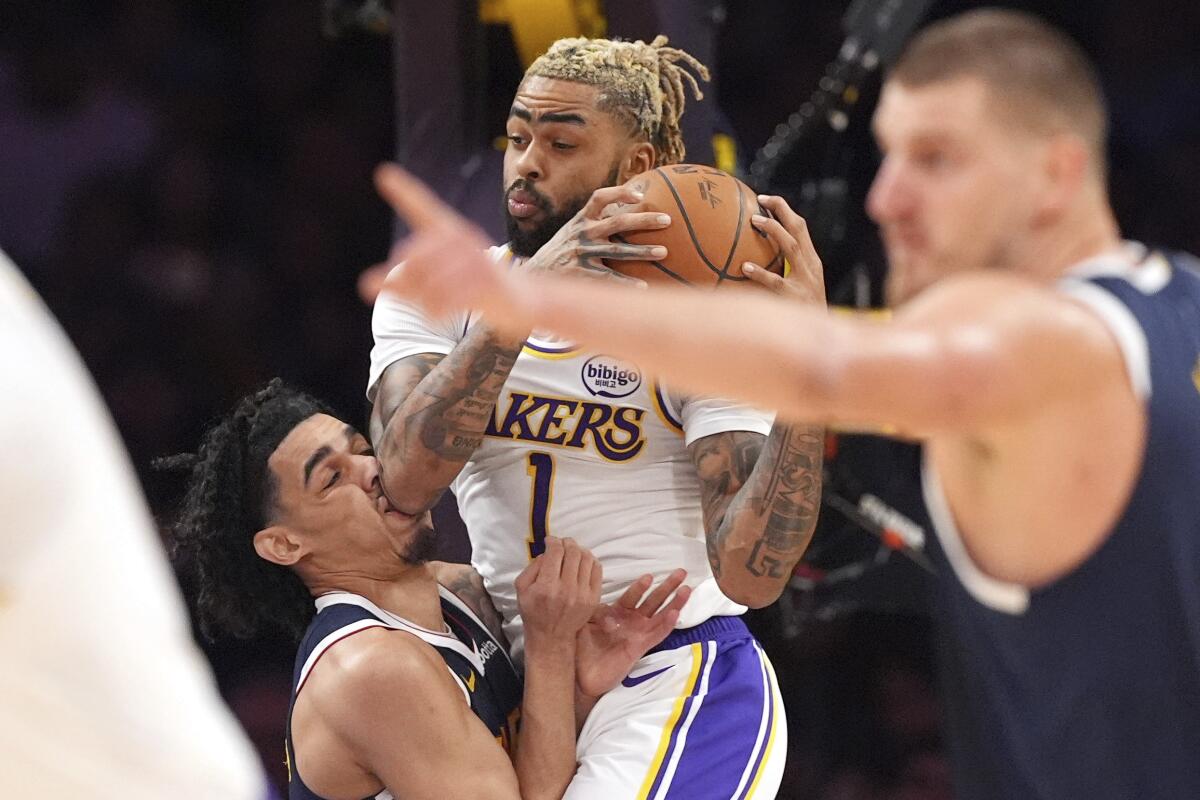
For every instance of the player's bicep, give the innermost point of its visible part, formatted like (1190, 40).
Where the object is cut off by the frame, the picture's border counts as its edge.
(409, 724)
(723, 464)
(973, 355)
(395, 385)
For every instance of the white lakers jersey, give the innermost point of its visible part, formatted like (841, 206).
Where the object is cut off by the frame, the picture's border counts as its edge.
(580, 445)
(104, 693)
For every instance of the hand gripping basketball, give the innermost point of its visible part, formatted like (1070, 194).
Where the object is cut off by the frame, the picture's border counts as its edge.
(581, 245)
(788, 230)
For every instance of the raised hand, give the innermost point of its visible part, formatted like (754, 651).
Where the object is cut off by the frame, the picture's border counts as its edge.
(788, 230)
(558, 592)
(618, 635)
(444, 266)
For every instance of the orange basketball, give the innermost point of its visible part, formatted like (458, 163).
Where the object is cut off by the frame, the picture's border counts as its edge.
(710, 236)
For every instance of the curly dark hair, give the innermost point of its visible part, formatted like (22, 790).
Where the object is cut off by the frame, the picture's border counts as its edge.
(230, 497)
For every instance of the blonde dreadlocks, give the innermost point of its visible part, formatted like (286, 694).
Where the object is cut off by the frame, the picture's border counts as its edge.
(643, 83)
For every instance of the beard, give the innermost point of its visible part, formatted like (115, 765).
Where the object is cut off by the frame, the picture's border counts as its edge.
(524, 243)
(421, 548)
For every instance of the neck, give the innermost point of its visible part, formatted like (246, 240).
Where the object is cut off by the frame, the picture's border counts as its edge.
(412, 594)
(1093, 232)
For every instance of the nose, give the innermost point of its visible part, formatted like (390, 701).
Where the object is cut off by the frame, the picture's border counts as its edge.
(529, 163)
(889, 196)
(365, 471)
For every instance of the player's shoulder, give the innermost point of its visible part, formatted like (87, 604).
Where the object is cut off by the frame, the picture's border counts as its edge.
(354, 671)
(1013, 306)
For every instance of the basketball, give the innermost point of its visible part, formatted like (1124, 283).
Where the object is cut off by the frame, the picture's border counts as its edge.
(710, 235)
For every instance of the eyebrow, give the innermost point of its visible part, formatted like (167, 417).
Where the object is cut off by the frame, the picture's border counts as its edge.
(548, 117)
(323, 452)
(320, 454)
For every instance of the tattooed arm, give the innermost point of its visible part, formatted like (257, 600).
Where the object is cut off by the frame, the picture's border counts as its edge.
(430, 413)
(760, 498)
(467, 585)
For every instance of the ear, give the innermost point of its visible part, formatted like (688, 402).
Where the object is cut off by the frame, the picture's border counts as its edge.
(279, 545)
(639, 158)
(1065, 167)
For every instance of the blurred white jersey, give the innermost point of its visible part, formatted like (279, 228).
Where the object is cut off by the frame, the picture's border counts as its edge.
(103, 694)
(581, 445)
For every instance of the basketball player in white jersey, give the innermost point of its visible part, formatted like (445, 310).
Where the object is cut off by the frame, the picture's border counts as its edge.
(104, 694)
(538, 437)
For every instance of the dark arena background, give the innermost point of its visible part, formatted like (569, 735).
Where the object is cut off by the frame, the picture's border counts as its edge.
(188, 185)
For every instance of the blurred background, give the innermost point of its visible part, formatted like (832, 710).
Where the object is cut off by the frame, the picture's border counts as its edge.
(188, 186)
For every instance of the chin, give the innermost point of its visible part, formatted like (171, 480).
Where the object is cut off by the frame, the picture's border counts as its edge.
(421, 547)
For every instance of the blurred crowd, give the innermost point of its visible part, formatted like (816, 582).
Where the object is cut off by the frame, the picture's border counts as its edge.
(188, 186)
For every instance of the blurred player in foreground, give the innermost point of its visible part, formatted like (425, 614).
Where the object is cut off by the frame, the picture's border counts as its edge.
(537, 436)
(408, 690)
(1052, 371)
(104, 693)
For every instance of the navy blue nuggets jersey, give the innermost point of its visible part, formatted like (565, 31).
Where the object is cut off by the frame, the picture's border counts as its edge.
(1089, 688)
(480, 666)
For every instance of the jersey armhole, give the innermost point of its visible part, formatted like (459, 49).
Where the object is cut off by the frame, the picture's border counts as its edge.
(329, 641)
(998, 595)
(462, 606)
(1123, 326)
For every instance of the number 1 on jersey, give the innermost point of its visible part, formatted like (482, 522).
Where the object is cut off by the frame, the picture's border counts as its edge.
(541, 470)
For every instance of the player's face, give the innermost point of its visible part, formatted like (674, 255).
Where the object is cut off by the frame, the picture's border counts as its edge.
(329, 496)
(561, 148)
(956, 187)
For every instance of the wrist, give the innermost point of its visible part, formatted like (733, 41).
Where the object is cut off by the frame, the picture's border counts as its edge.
(549, 648)
(510, 341)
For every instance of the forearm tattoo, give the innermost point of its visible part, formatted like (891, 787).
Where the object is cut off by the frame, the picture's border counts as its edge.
(467, 585)
(790, 499)
(435, 409)
(760, 498)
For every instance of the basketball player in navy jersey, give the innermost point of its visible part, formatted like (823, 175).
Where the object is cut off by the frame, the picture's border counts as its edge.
(1051, 369)
(402, 685)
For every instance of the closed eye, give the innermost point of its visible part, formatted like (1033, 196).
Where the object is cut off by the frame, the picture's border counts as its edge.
(337, 475)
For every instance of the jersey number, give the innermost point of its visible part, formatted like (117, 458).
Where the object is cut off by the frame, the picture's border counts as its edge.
(541, 471)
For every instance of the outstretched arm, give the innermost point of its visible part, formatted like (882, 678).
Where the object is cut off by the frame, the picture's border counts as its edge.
(972, 354)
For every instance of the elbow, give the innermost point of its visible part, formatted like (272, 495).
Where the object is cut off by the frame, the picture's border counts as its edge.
(753, 593)
(409, 495)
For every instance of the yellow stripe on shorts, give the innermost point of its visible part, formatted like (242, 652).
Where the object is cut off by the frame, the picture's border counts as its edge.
(777, 710)
(672, 722)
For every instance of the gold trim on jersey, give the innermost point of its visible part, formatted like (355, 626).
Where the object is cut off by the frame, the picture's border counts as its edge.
(548, 354)
(660, 408)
